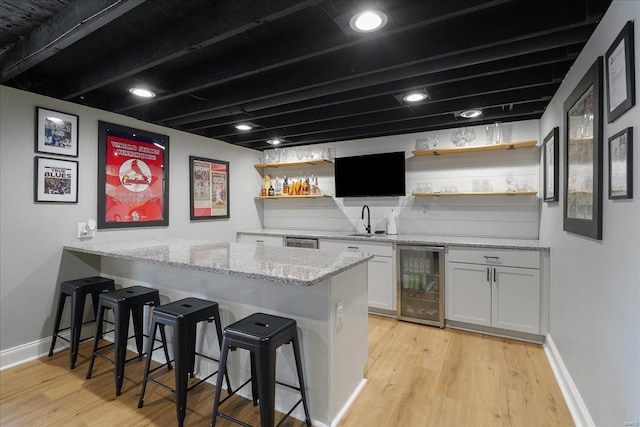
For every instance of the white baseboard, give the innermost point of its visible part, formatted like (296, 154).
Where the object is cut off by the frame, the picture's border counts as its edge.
(346, 406)
(26, 352)
(577, 407)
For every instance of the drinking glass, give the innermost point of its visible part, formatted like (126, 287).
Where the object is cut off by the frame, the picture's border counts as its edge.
(497, 132)
(299, 154)
(488, 132)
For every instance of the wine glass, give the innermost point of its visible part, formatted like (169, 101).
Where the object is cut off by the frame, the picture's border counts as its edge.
(299, 154)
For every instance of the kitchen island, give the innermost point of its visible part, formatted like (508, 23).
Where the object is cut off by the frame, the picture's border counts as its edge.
(324, 291)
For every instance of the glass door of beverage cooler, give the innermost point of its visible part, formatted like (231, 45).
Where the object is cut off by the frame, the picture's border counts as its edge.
(421, 284)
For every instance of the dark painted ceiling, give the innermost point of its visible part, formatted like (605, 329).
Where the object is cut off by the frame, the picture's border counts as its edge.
(294, 68)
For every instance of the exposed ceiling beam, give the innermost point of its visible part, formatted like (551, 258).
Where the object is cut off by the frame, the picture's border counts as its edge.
(526, 111)
(288, 92)
(395, 116)
(270, 58)
(231, 18)
(292, 112)
(72, 23)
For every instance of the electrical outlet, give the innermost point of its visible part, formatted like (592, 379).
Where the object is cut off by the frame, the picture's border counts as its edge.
(84, 232)
(339, 313)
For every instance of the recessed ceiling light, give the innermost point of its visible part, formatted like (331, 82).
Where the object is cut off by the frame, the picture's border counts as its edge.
(367, 21)
(244, 126)
(143, 93)
(470, 114)
(415, 97)
(274, 141)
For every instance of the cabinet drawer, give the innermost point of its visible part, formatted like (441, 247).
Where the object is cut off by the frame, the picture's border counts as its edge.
(487, 256)
(379, 249)
(260, 239)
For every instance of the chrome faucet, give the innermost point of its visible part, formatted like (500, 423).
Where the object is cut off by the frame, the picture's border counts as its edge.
(368, 227)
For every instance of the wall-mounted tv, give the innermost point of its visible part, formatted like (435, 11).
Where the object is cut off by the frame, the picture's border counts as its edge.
(372, 175)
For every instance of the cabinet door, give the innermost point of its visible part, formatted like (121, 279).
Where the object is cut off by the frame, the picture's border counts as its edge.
(381, 283)
(516, 299)
(468, 293)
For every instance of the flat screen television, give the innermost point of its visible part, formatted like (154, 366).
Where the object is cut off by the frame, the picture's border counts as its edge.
(372, 175)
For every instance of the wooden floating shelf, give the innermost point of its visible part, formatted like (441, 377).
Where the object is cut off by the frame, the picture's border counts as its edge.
(475, 148)
(310, 196)
(483, 193)
(292, 164)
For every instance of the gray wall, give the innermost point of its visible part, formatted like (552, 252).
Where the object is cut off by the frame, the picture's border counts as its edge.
(595, 285)
(33, 234)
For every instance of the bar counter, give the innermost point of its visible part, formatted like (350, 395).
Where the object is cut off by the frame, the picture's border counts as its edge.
(324, 291)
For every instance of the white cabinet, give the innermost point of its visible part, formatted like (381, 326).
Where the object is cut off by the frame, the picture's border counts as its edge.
(494, 288)
(381, 290)
(260, 239)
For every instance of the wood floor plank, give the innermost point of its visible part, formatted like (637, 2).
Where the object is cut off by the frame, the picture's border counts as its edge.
(416, 376)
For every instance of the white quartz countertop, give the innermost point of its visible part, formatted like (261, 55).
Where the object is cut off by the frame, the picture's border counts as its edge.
(291, 266)
(408, 239)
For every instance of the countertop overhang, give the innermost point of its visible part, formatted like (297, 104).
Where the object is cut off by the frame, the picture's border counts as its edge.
(290, 266)
(408, 239)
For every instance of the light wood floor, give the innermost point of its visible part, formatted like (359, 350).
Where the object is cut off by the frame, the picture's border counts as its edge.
(417, 376)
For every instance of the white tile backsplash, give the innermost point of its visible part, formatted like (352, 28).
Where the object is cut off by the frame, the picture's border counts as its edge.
(479, 216)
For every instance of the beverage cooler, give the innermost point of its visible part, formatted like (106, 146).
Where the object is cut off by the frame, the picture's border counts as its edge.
(421, 284)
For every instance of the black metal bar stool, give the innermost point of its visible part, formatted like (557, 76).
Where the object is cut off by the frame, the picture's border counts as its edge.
(78, 290)
(261, 334)
(123, 302)
(183, 316)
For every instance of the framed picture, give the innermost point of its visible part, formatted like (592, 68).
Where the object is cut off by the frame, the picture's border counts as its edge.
(621, 81)
(583, 156)
(621, 165)
(209, 188)
(56, 181)
(551, 147)
(56, 132)
(133, 177)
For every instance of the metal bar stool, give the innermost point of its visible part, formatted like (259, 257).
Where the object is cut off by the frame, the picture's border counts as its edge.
(78, 290)
(261, 334)
(123, 302)
(183, 315)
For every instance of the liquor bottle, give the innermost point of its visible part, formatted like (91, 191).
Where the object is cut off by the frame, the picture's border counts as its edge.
(278, 186)
(271, 191)
(305, 186)
(285, 186)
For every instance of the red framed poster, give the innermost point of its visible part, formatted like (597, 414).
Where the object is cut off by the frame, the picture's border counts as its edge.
(209, 185)
(133, 177)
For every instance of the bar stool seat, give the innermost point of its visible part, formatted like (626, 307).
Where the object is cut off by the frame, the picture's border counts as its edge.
(124, 302)
(183, 315)
(78, 290)
(261, 334)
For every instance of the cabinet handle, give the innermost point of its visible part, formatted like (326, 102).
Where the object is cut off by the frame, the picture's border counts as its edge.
(494, 274)
(494, 258)
(259, 241)
(488, 276)
(352, 247)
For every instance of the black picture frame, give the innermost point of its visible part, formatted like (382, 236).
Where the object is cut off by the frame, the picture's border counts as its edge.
(208, 189)
(133, 177)
(56, 132)
(621, 165)
(621, 80)
(550, 165)
(55, 180)
(583, 156)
